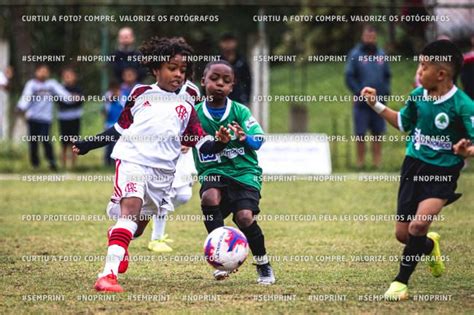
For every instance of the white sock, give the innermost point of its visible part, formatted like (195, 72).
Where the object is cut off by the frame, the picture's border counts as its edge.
(116, 253)
(159, 224)
(261, 260)
(114, 256)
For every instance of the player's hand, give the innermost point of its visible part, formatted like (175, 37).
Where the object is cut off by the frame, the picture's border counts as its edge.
(461, 148)
(370, 94)
(238, 131)
(79, 148)
(223, 135)
(184, 149)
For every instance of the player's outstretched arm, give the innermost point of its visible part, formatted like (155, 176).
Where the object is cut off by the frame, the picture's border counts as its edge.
(390, 115)
(102, 139)
(253, 141)
(208, 144)
(464, 148)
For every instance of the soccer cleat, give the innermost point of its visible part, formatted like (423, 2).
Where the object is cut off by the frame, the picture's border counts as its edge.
(396, 292)
(123, 266)
(166, 239)
(159, 246)
(108, 283)
(265, 274)
(435, 263)
(220, 275)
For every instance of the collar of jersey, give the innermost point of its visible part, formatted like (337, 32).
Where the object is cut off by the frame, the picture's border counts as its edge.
(226, 113)
(443, 98)
(163, 91)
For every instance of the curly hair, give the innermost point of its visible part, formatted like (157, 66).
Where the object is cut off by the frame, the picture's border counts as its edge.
(158, 50)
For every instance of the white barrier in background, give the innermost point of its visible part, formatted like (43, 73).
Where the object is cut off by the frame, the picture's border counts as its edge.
(295, 153)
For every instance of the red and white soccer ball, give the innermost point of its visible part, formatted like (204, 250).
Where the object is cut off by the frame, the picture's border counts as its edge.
(226, 248)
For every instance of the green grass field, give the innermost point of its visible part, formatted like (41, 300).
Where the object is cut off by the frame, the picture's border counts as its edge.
(187, 287)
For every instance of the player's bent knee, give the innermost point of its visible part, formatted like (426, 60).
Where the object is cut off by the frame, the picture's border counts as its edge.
(211, 197)
(243, 218)
(130, 206)
(418, 228)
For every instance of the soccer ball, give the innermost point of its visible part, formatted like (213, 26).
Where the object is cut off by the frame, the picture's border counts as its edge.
(226, 248)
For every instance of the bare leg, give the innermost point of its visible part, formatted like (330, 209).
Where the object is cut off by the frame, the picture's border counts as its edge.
(377, 153)
(360, 149)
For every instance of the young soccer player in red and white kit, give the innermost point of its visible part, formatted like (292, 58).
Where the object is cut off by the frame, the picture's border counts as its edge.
(151, 129)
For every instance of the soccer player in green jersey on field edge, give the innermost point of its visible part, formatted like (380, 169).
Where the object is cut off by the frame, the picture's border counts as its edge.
(440, 120)
(231, 180)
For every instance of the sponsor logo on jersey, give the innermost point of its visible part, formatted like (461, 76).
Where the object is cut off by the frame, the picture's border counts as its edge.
(182, 112)
(146, 104)
(441, 121)
(249, 123)
(232, 153)
(228, 153)
(433, 142)
(206, 158)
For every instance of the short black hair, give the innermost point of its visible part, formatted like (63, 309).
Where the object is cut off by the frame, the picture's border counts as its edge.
(68, 68)
(41, 65)
(227, 36)
(167, 47)
(217, 62)
(114, 84)
(369, 28)
(446, 51)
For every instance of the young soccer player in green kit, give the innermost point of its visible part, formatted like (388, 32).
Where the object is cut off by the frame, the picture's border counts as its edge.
(231, 180)
(440, 120)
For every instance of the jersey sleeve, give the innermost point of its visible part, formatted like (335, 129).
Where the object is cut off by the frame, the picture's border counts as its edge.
(126, 116)
(249, 124)
(192, 93)
(25, 97)
(466, 111)
(407, 115)
(61, 92)
(194, 134)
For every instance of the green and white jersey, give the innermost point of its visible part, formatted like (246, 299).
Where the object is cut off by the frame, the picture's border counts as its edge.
(436, 125)
(237, 160)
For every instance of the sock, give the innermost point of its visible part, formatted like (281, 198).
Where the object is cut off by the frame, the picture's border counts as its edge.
(120, 236)
(159, 224)
(213, 217)
(415, 248)
(428, 246)
(256, 242)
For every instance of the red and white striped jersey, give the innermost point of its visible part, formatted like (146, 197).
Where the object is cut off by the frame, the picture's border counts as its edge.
(154, 124)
